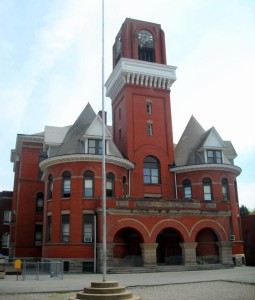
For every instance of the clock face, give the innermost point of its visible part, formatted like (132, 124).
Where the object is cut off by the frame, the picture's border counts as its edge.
(145, 38)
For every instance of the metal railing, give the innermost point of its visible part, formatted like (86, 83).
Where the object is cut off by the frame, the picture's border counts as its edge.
(42, 270)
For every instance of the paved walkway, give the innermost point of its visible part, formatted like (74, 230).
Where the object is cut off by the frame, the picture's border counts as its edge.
(76, 282)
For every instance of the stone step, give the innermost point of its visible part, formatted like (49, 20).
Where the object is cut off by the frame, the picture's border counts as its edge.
(166, 268)
(105, 290)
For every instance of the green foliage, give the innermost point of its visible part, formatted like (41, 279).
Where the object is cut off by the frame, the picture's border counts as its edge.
(244, 211)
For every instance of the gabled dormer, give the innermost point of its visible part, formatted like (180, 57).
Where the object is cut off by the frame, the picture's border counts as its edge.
(92, 138)
(212, 147)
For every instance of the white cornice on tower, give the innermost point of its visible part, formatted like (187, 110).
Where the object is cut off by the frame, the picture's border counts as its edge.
(140, 73)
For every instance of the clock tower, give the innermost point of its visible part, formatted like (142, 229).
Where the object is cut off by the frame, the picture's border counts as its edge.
(139, 87)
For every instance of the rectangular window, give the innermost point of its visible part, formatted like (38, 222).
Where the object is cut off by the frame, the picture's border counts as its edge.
(7, 216)
(87, 228)
(150, 176)
(187, 192)
(214, 157)
(65, 228)
(88, 192)
(95, 147)
(38, 234)
(48, 232)
(225, 192)
(149, 129)
(207, 192)
(66, 187)
(5, 240)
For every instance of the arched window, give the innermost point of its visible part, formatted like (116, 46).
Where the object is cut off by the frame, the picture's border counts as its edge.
(109, 185)
(88, 184)
(207, 188)
(186, 184)
(66, 184)
(146, 47)
(225, 189)
(151, 170)
(39, 202)
(50, 186)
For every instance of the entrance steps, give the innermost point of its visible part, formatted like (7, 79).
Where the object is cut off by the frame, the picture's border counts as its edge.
(166, 268)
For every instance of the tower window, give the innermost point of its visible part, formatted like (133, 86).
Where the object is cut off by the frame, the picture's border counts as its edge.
(149, 108)
(151, 170)
(146, 48)
(149, 129)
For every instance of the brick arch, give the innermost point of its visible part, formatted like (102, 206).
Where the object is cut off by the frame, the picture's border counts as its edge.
(177, 225)
(131, 223)
(211, 224)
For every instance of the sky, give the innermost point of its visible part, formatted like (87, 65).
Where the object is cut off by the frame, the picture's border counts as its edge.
(51, 62)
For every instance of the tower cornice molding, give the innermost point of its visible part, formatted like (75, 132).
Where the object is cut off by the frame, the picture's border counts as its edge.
(139, 73)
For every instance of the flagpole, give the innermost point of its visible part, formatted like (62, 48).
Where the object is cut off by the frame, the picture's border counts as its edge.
(103, 154)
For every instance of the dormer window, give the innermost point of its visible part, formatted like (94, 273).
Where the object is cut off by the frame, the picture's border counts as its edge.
(214, 156)
(95, 147)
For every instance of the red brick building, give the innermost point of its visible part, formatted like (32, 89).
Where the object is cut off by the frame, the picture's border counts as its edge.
(248, 230)
(166, 204)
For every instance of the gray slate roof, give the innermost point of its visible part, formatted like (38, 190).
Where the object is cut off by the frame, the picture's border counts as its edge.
(192, 140)
(72, 143)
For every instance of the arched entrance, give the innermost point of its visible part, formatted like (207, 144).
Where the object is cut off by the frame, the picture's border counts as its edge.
(207, 251)
(127, 250)
(169, 251)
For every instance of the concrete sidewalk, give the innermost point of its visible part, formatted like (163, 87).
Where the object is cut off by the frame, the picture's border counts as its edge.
(76, 282)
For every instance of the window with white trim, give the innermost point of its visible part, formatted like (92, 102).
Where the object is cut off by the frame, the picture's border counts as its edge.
(88, 184)
(225, 189)
(65, 228)
(95, 147)
(109, 185)
(151, 170)
(187, 189)
(214, 156)
(7, 217)
(207, 188)
(66, 184)
(5, 240)
(87, 228)
(149, 129)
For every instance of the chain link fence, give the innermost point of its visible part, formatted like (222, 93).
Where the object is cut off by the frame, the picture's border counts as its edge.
(42, 270)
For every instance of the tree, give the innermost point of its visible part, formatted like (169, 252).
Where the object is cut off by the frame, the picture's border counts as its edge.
(244, 211)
